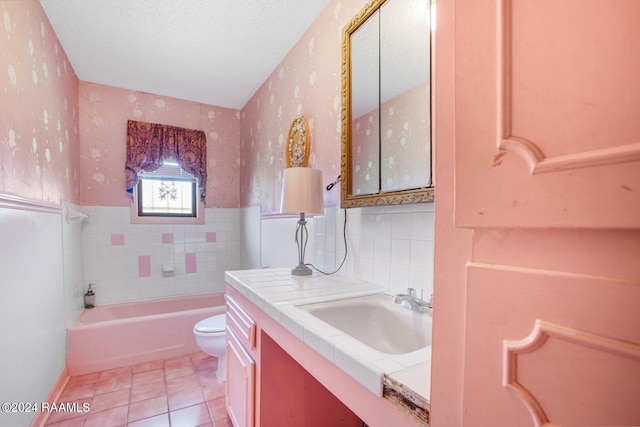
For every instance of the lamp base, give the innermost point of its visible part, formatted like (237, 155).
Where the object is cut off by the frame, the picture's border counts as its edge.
(301, 270)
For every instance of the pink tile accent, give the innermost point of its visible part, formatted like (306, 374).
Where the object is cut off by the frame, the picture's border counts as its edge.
(167, 237)
(190, 262)
(211, 236)
(117, 239)
(144, 266)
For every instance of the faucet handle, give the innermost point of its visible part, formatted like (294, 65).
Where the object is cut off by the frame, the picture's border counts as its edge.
(411, 292)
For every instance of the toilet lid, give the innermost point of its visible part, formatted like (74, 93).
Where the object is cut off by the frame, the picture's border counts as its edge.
(211, 324)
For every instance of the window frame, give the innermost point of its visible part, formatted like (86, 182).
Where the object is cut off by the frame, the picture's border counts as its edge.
(194, 197)
(138, 217)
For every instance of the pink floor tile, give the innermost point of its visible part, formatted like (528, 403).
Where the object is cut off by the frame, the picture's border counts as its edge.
(147, 391)
(161, 420)
(110, 400)
(179, 391)
(173, 372)
(208, 380)
(182, 383)
(148, 408)
(73, 422)
(113, 384)
(74, 392)
(59, 417)
(214, 391)
(218, 409)
(111, 417)
(178, 362)
(148, 377)
(206, 365)
(148, 366)
(199, 355)
(192, 416)
(84, 379)
(114, 373)
(185, 398)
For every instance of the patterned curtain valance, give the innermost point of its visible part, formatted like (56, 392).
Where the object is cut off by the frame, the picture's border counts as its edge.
(149, 144)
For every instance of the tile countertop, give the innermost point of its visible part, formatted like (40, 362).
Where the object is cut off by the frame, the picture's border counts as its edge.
(277, 293)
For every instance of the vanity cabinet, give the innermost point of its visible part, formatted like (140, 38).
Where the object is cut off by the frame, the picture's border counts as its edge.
(275, 379)
(241, 365)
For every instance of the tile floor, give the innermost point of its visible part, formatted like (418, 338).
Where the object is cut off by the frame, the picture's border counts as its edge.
(181, 391)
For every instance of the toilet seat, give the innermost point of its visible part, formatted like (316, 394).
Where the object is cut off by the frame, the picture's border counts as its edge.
(211, 326)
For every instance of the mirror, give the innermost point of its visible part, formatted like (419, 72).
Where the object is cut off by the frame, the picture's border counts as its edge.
(386, 105)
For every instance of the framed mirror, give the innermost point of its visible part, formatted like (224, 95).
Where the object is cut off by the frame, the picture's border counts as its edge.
(386, 105)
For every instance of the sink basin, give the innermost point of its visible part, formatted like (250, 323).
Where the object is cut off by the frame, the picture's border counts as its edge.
(377, 322)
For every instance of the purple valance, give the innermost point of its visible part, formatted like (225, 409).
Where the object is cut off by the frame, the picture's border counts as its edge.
(149, 144)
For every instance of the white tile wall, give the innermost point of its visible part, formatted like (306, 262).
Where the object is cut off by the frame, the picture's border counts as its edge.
(391, 246)
(114, 268)
(72, 259)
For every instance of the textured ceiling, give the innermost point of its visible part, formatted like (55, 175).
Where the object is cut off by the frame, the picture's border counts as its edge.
(216, 52)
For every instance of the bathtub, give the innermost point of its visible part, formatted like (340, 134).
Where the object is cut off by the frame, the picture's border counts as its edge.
(114, 335)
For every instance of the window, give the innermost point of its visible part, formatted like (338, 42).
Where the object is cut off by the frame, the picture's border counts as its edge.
(166, 173)
(167, 192)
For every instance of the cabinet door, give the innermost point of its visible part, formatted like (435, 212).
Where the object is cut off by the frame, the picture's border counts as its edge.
(241, 373)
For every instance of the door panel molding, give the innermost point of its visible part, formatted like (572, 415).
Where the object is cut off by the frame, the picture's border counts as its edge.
(530, 151)
(550, 347)
(544, 331)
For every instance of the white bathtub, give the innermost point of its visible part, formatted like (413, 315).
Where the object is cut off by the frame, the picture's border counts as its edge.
(115, 335)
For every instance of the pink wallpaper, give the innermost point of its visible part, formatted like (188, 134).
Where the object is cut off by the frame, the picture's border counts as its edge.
(39, 137)
(104, 112)
(307, 82)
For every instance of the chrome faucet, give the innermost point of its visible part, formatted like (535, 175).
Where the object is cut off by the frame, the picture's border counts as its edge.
(412, 302)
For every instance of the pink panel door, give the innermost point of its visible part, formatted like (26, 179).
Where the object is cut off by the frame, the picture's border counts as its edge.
(241, 374)
(547, 176)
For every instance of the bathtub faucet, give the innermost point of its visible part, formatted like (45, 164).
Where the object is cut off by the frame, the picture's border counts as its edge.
(411, 301)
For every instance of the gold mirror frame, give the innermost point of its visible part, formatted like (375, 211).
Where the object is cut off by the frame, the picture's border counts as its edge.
(347, 199)
(298, 144)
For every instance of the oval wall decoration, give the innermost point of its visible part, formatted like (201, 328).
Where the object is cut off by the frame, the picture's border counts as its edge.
(297, 152)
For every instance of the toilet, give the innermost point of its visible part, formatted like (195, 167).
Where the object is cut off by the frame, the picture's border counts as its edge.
(210, 337)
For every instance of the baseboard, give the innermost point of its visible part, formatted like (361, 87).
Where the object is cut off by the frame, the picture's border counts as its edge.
(42, 416)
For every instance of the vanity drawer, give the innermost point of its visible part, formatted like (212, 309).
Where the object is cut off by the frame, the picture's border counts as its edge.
(241, 323)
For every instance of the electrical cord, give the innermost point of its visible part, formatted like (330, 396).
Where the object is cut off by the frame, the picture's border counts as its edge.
(344, 235)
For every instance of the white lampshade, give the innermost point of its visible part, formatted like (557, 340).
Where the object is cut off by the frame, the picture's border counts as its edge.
(302, 191)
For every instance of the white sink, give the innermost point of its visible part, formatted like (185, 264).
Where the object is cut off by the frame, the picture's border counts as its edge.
(377, 322)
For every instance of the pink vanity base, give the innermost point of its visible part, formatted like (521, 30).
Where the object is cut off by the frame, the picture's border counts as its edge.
(114, 335)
